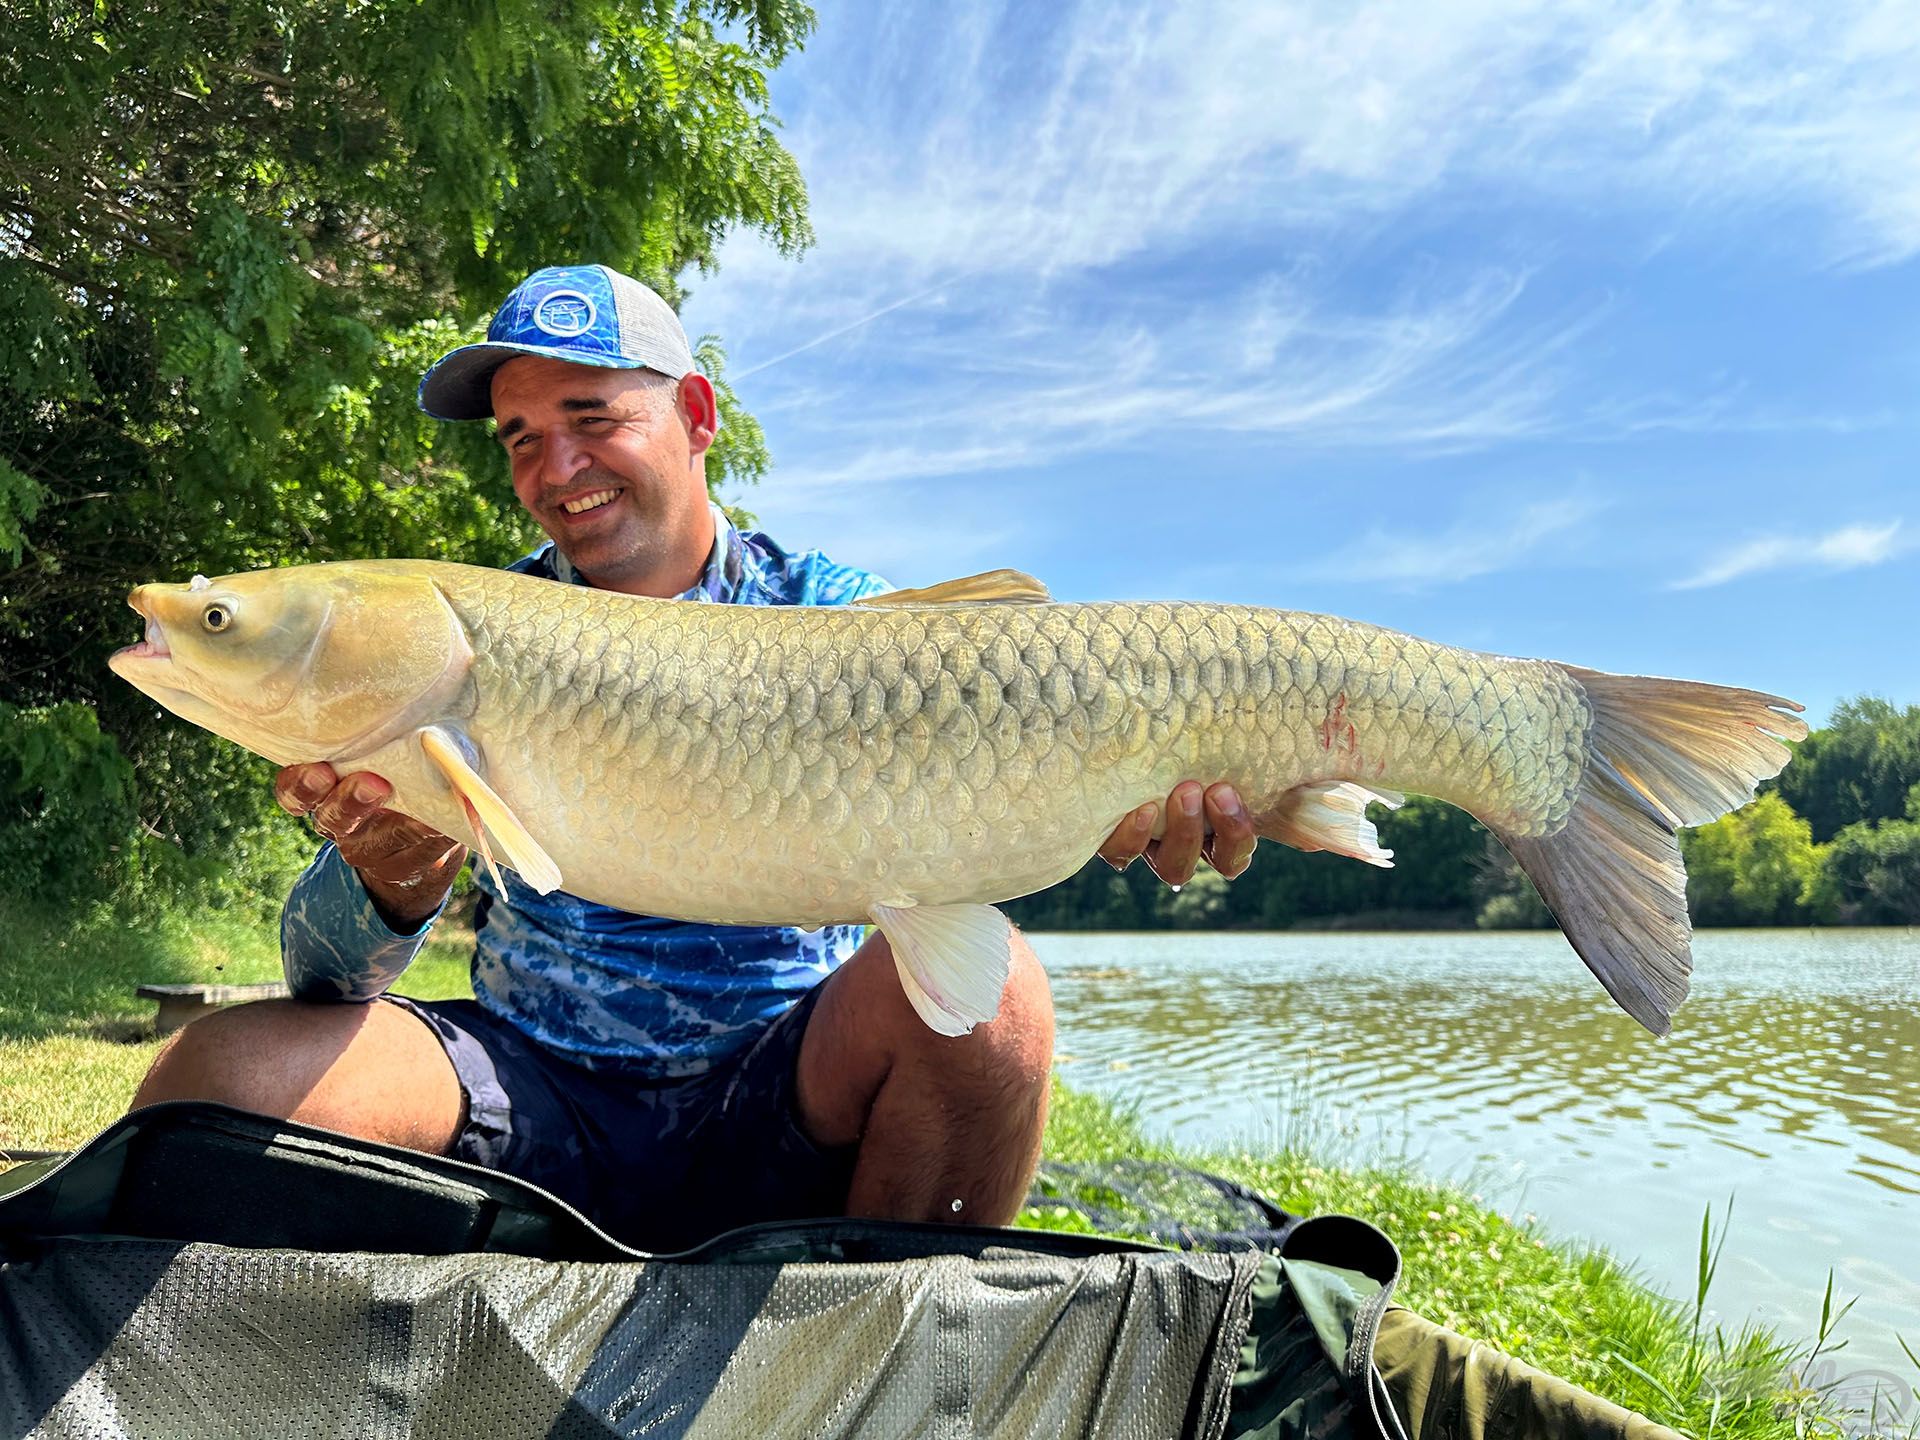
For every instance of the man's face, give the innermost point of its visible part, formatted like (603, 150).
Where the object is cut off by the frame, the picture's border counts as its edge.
(610, 466)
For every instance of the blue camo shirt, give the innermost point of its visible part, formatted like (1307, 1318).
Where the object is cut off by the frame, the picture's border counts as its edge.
(605, 988)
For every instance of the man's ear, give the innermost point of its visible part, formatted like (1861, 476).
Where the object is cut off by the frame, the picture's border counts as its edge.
(698, 411)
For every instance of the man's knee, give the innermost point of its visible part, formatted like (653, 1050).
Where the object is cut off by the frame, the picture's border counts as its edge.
(865, 1035)
(1015, 1048)
(370, 1070)
(252, 1056)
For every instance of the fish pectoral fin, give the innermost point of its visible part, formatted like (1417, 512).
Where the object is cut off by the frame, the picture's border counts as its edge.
(953, 960)
(990, 587)
(1332, 817)
(486, 811)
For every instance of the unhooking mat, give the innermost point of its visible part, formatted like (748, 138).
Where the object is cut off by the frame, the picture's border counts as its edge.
(196, 1271)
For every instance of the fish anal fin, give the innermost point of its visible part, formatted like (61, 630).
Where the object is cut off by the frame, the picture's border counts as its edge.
(486, 811)
(990, 587)
(953, 960)
(1330, 816)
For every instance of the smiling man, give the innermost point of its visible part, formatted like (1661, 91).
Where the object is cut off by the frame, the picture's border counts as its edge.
(671, 1080)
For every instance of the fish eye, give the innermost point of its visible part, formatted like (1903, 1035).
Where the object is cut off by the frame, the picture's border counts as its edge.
(216, 617)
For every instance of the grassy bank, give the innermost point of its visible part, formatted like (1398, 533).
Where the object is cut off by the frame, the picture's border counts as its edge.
(1567, 1308)
(74, 1043)
(74, 1040)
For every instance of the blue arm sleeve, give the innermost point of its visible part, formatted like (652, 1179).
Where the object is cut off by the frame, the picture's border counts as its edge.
(333, 943)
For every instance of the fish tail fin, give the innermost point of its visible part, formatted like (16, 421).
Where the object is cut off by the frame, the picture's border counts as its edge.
(1661, 754)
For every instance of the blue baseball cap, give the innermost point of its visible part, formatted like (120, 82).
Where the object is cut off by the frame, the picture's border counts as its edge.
(583, 314)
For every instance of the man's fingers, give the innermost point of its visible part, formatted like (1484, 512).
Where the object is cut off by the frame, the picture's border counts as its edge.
(432, 854)
(299, 788)
(1130, 837)
(349, 805)
(1230, 850)
(1176, 855)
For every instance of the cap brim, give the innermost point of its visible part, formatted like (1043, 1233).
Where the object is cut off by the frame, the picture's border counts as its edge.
(459, 386)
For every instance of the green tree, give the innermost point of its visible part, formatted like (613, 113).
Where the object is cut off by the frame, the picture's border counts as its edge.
(1859, 767)
(232, 236)
(1756, 866)
(1870, 874)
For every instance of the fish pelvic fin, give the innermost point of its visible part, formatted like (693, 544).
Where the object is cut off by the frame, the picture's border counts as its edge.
(990, 587)
(953, 960)
(487, 812)
(1331, 816)
(1661, 754)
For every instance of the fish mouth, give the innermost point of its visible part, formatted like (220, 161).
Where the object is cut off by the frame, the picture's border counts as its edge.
(152, 645)
(148, 664)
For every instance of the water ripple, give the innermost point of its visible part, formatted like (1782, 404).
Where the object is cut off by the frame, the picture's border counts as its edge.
(1792, 1077)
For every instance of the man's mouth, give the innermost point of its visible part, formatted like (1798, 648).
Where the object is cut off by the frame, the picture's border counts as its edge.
(587, 504)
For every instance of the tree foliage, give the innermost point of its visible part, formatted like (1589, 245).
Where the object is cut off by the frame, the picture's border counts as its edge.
(1871, 874)
(1757, 866)
(232, 237)
(1859, 767)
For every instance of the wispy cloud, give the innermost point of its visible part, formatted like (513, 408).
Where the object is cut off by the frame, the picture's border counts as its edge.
(1000, 215)
(945, 154)
(1852, 547)
(1424, 373)
(1478, 544)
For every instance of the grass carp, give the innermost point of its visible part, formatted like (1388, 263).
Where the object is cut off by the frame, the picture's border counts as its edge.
(912, 758)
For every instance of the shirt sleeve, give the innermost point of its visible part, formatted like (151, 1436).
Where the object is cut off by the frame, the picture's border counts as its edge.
(333, 943)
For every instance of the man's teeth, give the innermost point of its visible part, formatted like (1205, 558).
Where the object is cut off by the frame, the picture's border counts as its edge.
(589, 502)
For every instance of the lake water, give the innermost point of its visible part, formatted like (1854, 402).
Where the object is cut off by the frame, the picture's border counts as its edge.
(1791, 1082)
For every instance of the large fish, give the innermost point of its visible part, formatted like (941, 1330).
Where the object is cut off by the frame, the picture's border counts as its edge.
(908, 759)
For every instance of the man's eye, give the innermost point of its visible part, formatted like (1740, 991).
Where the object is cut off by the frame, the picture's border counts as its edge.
(520, 442)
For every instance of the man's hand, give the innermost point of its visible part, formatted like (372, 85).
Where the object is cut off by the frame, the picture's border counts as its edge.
(406, 866)
(1207, 821)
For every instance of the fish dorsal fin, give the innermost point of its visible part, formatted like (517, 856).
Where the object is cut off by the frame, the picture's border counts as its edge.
(991, 587)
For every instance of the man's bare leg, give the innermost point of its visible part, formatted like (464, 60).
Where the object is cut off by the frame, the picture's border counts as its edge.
(371, 1070)
(937, 1119)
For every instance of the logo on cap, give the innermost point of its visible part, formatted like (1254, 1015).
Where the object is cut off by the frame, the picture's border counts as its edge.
(564, 314)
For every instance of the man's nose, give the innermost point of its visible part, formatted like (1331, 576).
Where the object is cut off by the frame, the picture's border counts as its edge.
(566, 456)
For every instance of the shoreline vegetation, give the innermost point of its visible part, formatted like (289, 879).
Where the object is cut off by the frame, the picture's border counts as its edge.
(74, 1042)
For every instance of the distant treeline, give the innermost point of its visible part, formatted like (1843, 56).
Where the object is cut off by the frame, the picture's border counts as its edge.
(1835, 840)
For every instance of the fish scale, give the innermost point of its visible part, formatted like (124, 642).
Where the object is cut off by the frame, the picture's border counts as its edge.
(910, 758)
(1157, 693)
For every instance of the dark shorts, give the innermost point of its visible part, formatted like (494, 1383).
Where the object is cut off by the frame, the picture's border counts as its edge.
(658, 1164)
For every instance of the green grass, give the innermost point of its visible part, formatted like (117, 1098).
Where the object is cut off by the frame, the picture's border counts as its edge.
(74, 1039)
(74, 1043)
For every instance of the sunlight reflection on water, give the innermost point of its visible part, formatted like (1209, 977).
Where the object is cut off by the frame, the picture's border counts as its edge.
(1791, 1081)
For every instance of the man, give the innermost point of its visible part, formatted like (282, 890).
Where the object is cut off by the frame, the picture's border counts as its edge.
(670, 1080)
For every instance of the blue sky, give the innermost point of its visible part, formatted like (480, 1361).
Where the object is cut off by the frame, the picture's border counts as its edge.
(1572, 329)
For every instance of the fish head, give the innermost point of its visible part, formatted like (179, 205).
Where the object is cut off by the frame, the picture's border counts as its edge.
(310, 662)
